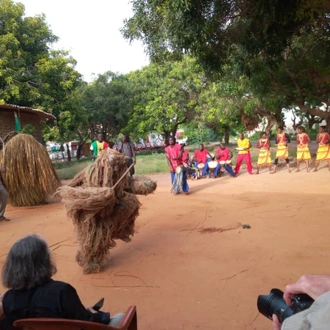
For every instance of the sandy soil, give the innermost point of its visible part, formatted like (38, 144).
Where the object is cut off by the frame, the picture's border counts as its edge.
(180, 278)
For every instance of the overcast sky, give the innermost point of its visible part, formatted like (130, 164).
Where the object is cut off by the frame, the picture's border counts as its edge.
(90, 31)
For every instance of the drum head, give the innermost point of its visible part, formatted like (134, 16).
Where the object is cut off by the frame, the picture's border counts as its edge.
(222, 162)
(200, 166)
(228, 162)
(178, 169)
(213, 165)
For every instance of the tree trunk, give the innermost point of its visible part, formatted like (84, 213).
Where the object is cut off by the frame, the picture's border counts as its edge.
(271, 121)
(80, 145)
(68, 152)
(227, 133)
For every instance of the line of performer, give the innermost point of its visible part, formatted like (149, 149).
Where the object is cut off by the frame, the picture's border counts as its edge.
(205, 164)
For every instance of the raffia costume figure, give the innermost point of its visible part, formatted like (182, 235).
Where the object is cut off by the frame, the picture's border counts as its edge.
(102, 204)
(323, 152)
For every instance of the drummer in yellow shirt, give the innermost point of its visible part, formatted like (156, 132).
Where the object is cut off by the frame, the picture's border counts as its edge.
(244, 146)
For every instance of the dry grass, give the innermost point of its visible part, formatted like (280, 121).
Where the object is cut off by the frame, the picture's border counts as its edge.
(30, 176)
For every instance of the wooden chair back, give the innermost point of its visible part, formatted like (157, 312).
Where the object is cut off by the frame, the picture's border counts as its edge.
(128, 322)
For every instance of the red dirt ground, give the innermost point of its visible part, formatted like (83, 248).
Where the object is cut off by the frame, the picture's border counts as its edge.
(180, 278)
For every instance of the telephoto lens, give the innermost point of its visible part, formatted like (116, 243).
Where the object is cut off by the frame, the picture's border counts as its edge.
(275, 304)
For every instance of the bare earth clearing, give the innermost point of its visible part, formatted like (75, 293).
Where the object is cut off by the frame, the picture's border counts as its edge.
(180, 278)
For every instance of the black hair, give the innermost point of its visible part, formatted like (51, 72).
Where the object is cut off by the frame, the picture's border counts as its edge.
(302, 128)
(201, 145)
(28, 264)
(126, 137)
(262, 133)
(281, 128)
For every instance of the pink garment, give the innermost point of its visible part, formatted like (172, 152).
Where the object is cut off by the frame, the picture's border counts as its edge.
(222, 155)
(248, 161)
(173, 152)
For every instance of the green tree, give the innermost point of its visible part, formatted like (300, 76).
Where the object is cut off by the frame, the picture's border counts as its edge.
(282, 46)
(24, 42)
(108, 100)
(165, 96)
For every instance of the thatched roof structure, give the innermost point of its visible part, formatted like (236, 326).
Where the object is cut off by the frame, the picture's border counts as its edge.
(26, 116)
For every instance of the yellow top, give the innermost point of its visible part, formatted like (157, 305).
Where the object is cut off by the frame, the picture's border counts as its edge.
(245, 143)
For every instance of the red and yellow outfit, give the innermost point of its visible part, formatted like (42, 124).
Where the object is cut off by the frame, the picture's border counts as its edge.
(323, 152)
(282, 148)
(244, 155)
(264, 158)
(302, 148)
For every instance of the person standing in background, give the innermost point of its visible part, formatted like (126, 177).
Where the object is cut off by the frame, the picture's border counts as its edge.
(3, 192)
(98, 145)
(185, 155)
(127, 148)
(264, 158)
(282, 140)
(323, 152)
(3, 197)
(244, 146)
(302, 148)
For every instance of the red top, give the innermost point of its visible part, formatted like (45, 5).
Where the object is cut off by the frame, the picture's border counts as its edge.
(281, 138)
(323, 138)
(302, 138)
(173, 152)
(185, 156)
(222, 154)
(201, 156)
(264, 143)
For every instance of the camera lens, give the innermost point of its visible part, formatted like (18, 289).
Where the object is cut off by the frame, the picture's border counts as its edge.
(274, 304)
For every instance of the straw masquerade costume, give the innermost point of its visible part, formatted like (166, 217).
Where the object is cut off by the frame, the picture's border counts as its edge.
(102, 204)
(30, 176)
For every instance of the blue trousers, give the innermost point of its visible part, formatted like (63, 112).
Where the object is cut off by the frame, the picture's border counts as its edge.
(227, 168)
(205, 169)
(185, 187)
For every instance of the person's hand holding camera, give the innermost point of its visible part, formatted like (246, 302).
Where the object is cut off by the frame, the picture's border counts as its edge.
(312, 285)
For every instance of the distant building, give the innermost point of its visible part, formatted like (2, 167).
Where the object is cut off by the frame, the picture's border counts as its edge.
(25, 115)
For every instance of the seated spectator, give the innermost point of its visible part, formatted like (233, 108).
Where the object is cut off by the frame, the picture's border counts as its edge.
(315, 317)
(27, 273)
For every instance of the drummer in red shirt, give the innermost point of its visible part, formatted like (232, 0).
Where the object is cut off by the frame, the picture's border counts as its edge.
(201, 158)
(185, 155)
(174, 159)
(223, 154)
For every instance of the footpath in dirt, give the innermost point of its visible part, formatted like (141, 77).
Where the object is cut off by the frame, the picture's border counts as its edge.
(183, 278)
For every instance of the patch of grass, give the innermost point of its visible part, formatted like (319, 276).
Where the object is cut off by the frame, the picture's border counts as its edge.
(146, 164)
(67, 170)
(149, 164)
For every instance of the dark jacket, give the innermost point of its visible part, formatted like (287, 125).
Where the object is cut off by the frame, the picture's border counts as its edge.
(54, 299)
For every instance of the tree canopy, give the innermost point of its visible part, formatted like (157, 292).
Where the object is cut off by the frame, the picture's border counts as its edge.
(281, 46)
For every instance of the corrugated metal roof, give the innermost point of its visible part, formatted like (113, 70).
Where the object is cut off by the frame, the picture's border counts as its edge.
(40, 113)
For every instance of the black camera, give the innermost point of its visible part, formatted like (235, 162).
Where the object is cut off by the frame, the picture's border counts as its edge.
(275, 304)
